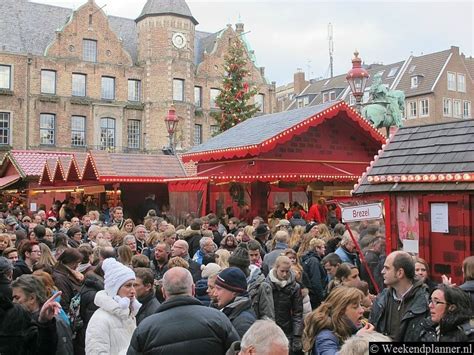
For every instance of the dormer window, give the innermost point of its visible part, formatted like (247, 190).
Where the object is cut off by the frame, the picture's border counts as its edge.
(392, 72)
(414, 82)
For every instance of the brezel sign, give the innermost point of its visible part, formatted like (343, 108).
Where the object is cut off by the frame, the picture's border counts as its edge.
(362, 212)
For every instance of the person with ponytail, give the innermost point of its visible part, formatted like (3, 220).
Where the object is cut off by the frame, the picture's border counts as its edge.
(334, 321)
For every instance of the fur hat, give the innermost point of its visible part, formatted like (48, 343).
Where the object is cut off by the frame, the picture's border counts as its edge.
(310, 226)
(115, 275)
(232, 279)
(261, 231)
(240, 257)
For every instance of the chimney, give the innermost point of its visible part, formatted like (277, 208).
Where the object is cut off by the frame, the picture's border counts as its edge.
(262, 71)
(299, 82)
(239, 28)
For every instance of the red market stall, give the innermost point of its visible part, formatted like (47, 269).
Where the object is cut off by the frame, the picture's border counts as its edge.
(425, 176)
(319, 151)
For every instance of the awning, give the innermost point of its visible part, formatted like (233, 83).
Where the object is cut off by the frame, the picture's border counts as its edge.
(8, 180)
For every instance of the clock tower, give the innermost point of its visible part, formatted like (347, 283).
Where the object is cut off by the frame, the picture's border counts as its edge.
(166, 31)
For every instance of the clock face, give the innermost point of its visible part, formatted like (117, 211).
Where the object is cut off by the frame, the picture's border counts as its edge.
(179, 41)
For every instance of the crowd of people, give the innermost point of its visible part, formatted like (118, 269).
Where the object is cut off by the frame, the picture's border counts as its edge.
(290, 284)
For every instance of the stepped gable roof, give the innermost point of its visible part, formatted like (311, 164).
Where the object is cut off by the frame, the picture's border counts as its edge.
(166, 7)
(24, 31)
(262, 133)
(469, 62)
(428, 67)
(437, 157)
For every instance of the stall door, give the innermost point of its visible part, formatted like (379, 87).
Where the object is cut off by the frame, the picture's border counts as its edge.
(445, 240)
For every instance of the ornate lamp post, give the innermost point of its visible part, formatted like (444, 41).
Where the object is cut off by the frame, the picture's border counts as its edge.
(357, 78)
(171, 121)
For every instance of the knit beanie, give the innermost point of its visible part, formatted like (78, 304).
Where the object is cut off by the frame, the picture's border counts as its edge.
(115, 275)
(240, 257)
(232, 279)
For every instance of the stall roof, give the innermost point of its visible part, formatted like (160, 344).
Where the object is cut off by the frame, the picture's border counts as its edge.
(437, 157)
(29, 163)
(262, 133)
(105, 167)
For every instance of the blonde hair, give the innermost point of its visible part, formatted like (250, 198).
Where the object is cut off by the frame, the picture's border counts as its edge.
(153, 238)
(331, 315)
(323, 232)
(248, 231)
(304, 245)
(282, 260)
(223, 259)
(298, 231)
(5, 236)
(178, 261)
(316, 243)
(128, 221)
(46, 257)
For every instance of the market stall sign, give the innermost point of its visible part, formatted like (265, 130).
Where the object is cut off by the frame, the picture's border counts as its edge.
(362, 212)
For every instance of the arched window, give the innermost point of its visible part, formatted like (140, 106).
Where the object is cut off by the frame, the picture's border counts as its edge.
(107, 133)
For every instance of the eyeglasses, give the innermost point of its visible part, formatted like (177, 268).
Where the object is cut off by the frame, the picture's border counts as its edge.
(436, 302)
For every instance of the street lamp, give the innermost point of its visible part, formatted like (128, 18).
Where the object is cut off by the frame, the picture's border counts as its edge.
(171, 121)
(357, 78)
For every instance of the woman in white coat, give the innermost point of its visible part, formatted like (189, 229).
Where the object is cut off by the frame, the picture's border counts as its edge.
(111, 327)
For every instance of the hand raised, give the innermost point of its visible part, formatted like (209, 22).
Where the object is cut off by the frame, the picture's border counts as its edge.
(50, 308)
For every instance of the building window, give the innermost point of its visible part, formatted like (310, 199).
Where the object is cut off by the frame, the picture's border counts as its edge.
(214, 129)
(392, 72)
(5, 77)
(299, 102)
(424, 109)
(325, 97)
(134, 134)
(78, 131)
(47, 128)
(198, 96)
(107, 133)
(48, 82)
(108, 88)
(89, 50)
(447, 107)
(412, 109)
(78, 84)
(178, 89)
(451, 81)
(197, 134)
(457, 108)
(260, 102)
(461, 82)
(466, 112)
(352, 100)
(4, 128)
(332, 96)
(134, 90)
(214, 94)
(414, 82)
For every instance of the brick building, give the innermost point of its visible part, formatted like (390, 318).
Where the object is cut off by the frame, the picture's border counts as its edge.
(76, 80)
(438, 87)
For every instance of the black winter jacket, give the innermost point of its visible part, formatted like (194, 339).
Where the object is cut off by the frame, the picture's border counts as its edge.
(316, 276)
(192, 237)
(5, 287)
(468, 287)
(20, 269)
(20, 334)
(93, 283)
(454, 327)
(241, 314)
(288, 303)
(149, 306)
(417, 311)
(260, 293)
(183, 325)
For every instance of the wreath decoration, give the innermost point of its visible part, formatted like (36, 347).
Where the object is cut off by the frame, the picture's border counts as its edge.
(237, 193)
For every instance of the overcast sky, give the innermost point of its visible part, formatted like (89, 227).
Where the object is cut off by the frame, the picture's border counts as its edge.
(291, 34)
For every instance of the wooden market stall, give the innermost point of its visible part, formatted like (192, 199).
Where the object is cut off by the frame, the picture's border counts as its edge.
(425, 175)
(297, 155)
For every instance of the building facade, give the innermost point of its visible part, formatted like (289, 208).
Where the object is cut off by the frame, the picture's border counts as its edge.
(79, 80)
(438, 87)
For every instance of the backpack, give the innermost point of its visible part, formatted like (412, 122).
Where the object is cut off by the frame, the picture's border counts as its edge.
(74, 314)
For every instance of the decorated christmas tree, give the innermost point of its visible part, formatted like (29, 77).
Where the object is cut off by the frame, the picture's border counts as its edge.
(236, 91)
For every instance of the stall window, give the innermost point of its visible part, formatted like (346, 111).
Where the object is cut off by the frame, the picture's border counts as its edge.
(107, 133)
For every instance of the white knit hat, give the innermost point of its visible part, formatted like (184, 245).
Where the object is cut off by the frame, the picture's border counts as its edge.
(115, 275)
